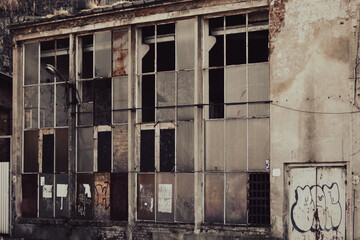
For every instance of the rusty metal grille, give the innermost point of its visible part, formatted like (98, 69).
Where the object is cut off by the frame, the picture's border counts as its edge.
(259, 199)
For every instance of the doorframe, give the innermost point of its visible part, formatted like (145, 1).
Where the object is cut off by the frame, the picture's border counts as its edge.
(348, 193)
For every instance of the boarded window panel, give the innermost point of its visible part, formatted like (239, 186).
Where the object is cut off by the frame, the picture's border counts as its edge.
(185, 43)
(167, 150)
(185, 95)
(102, 102)
(120, 99)
(165, 197)
(85, 196)
(104, 151)
(214, 197)
(214, 145)
(185, 147)
(185, 197)
(120, 52)
(258, 46)
(103, 54)
(119, 196)
(85, 150)
(235, 145)
(61, 150)
(216, 93)
(29, 195)
(61, 106)
(46, 106)
(4, 149)
(236, 49)
(236, 198)
(48, 153)
(145, 197)
(147, 151)
(165, 96)
(62, 196)
(86, 56)
(120, 148)
(31, 107)
(259, 88)
(31, 151)
(259, 146)
(236, 91)
(102, 196)
(216, 54)
(86, 107)
(31, 63)
(148, 98)
(46, 195)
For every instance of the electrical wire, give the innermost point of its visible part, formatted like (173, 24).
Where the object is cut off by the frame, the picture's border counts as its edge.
(313, 112)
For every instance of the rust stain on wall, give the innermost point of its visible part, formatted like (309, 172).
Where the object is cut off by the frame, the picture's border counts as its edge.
(120, 52)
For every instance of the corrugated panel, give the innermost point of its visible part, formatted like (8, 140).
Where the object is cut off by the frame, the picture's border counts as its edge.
(4, 198)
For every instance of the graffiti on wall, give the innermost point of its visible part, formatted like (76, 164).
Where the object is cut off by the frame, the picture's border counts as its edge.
(316, 208)
(102, 194)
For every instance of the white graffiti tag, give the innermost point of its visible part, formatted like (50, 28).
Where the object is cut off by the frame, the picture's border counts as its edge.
(316, 208)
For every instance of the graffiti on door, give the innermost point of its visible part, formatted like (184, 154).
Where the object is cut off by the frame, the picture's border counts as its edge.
(316, 208)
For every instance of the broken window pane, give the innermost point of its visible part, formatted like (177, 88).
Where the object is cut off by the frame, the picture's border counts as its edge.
(167, 150)
(120, 99)
(236, 91)
(165, 96)
(103, 54)
(119, 196)
(29, 195)
(185, 95)
(259, 199)
(86, 107)
(31, 107)
(61, 150)
(236, 20)
(214, 135)
(61, 105)
(185, 197)
(258, 46)
(216, 53)
(259, 146)
(4, 149)
(214, 197)
(46, 106)
(145, 197)
(165, 197)
(258, 18)
(185, 43)
(235, 145)
(85, 149)
(259, 88)
(120, 52)
(47, 50)
(185, 147)
(216, 93)
(31, 152)
(102, 196)
(147, 151)
(148, 60)
(102, 102)
(166, 56)
(62, 58)
(46, 195)
(148, 98)
(86, 56)
(62, 196)
(236, 198)
(84, 196)
(216, 23)
(31, 63)
(236, 49)
(120, 148)
(48, 153)
(104, 151)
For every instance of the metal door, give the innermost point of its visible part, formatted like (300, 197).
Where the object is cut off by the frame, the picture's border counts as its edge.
(4, 184)
(316, 203)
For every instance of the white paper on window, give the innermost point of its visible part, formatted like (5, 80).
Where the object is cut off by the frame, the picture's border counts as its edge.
(62, 190)
(47, 191)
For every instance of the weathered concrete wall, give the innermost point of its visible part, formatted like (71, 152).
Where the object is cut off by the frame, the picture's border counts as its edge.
(312, 56)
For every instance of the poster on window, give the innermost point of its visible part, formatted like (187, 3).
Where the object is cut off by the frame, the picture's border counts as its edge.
(165, 198)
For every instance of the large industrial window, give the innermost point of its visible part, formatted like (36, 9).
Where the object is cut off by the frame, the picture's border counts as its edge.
(166, 58)
(237, 119)
(102, 129)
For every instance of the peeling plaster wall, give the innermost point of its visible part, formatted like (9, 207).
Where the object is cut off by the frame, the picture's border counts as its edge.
(312, 47)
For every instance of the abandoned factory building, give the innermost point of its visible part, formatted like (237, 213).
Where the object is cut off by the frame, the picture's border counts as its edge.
(188, 119)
